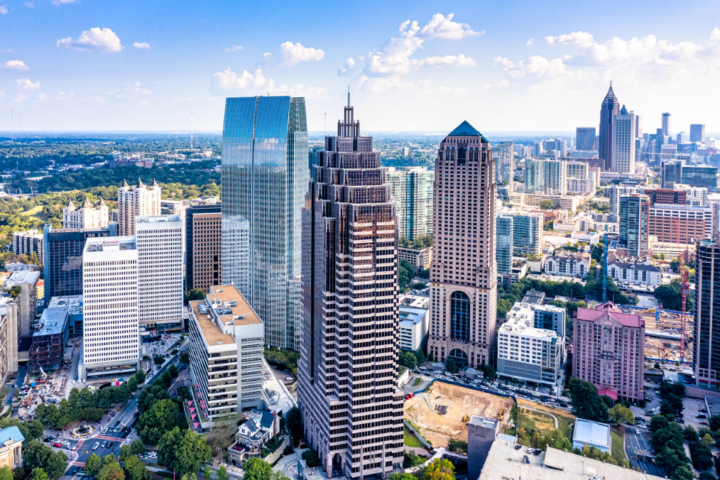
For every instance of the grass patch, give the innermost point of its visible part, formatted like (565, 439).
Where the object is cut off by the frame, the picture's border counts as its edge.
(565, 418)
(35, 212)
(418, 381)
(540, 422)
(618, 440)
(410, 439)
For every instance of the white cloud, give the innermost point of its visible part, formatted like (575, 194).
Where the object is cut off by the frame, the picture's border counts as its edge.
(57, 3)
(130, 89)
(142, 45)
(580, 38)
(3, 10)
(535, 65)
(294, 53)
(229, 80)
(347, 70)
(15, 65)
(267, 55)
(298, 90)
(394, 57)
(2, 94)
(715, 35)
(441, 26)
(234, 48)
(96, 39)
(530, 42)
(29, 4)
(27, 84)
(381, 85)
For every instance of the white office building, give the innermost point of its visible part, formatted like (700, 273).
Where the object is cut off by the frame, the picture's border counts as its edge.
(529, 354)
(235, 255)
(110, 295)
(160, 271)
(226, 356)
(623, 132)
(88, 216)
(412, 327)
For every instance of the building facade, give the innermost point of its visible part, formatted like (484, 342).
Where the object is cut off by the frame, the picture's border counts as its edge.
(679, 223)
(412, 189)
(609, 109)
(585, 138)
(504, 155)
(349, 284)
(634, 270)
(27, 299)
(463, 294)
(419, 258)
(134, 201)
(568, 264)
(609, 351)
(634, 224)
(159, 241)
(697, 132)
(706, 354)
(203, 246)
(413, 327)
(504, 244)
(27, 243)
(88, 216)
(623, 156)
(264, 180)
(110, 296)
(527, 233)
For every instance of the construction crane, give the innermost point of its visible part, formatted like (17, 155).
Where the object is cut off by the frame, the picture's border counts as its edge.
(605, 255)
(683, 309)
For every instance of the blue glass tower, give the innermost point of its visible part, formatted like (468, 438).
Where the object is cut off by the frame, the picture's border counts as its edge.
(264, 181)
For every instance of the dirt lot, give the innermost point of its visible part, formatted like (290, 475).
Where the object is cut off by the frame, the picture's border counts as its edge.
(422, 411)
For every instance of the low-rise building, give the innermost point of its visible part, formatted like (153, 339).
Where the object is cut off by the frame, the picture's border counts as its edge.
(529, 354)
(257, 429)
(11, 447)
(226, 356)
(634, 270)
(565, 202)
(413, 327)
(592, 434)
(419, 258)
(575, 264)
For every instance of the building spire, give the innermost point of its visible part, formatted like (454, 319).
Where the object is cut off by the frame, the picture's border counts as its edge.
(348, 96)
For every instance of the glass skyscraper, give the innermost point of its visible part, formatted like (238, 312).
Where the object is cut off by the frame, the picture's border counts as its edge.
(264, 181)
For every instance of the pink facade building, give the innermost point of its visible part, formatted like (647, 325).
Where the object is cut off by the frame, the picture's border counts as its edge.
(609, 350)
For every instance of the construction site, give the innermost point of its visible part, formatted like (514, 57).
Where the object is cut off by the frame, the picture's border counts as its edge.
(663, 333)
(441, 412)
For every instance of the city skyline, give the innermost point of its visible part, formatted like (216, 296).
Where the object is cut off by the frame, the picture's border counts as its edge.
(89, 66)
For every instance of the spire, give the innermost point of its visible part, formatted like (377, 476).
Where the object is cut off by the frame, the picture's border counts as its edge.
(71, 205)
(623, 110)
(466, 130)
(125, 184)
(610, 97)
(87, 204)
(101, 203)
(140, 183)
(348, 96)
(155, 184)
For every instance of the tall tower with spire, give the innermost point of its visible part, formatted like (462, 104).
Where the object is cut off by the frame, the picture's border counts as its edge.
(134, 201)
(610, 107)
(348, 369)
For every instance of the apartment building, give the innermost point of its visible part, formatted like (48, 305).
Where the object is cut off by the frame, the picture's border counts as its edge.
(635, 224)
(706, 351)
(160, 271)
(504, 244)
(110, 296)
(634, 270)
(570, 264)
(527, 233)
(88, 216)
(680, 223)
(226, 355)
(412, 188)
(666, 196)
(8, 338)
(549, 317)
(609, 351)
(134, 201)
(529, 354)
(27, 243)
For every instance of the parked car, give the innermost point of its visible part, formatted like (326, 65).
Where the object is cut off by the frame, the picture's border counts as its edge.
(518, 447)
(95, 447)
(703, 423)
(57, 445)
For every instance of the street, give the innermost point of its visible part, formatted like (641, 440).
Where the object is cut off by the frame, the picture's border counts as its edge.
(22, 371)
(635, 442)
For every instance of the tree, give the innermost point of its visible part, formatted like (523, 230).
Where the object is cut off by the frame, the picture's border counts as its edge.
(7, 474)
(658, 422)
(140, 376)
(222, 474)
(185, 450)
(111, 471)
(458, 446)
(670, 296)
(185, 358)
(439, 469)
(620, 415)
(207, 474)
(256, 469)
(412, 459)
(489, 372)
(586, 401)
(125, 453)
(311, 458)
(132, 383)
(196, 294)
(135, 469)
(294, 423)
(402, 476)
(162, 417)
(92, 465)
(38, 474)
(37, 455)
(714, 422)
(408, 359)
(690, 434)
(451, 366)
(547, 205)
(137, 447)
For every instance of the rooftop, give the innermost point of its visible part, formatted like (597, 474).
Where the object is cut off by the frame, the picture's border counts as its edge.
(411, 315)
(157, 218)
(521, 320)
(11, 434)
(228, 305)
(74, 303)
(610, 310)
(52, 322)
(482, 421)
(592, 433)
(466, 130)
(110, 244)
(23, 276)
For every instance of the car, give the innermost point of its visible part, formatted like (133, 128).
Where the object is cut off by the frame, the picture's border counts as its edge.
(700, 415)
(537, 452)
(704, 423)
(637, 432)
(57, 445)
(95, 447)
(518, 447)
(526, 459)
(50, 438)
(529, 450)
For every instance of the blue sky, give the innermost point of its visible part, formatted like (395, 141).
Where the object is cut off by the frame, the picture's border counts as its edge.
(414, 66)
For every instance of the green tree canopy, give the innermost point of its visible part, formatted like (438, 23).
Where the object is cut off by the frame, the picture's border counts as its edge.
(257, 469)
(184, 449)
(586, 401)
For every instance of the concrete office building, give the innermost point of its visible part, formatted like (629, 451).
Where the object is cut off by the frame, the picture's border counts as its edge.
(463, 294)
(585, 138)
(134, 201)
(413, 327)
(264, 181)
(623, 157)
(226, 355)
(697, 132)
(609, 351)
(504, 249)
(578, 170)
(635, 224)
(419, 258)
(88, 216)
(679, 223)
(529, 354)
(504, 156)
(27, 243)
(609, 109)
(527, 233)
(110, 293)
(412, 189)
(159, 242)
(27, 300)
(706, 354)
(349, 227)
(63, 268)
(666, 124)
(482, 432)
(203, 246)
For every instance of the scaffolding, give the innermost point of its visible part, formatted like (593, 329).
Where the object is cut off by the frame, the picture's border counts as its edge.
(51, 334)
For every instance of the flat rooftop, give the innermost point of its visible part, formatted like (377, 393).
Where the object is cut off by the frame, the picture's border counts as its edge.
(74, 303)
(23, 276)
(110, 244)
(228, 304)
(592, 433)
(52, 322)
(504, 462)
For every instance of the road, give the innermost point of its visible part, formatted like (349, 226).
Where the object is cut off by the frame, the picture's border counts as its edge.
(22, 371)
(635, 442)
(110, 429)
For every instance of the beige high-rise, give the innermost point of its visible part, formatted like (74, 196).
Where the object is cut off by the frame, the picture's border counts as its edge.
(463, 291)
(135, 201)
(87, 216)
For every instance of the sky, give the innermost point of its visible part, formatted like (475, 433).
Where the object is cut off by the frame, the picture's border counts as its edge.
(411, 66)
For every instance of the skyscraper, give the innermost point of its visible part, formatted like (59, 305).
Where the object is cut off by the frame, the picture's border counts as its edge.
(504, 250)
(463, 273)
(504, 155)
(527, 233)
(203, 246)
(706, 355)
(555, 177)
(412, 188)
(666, 124)
(264, 180)
(697, 132)
(134, 201)
(624, 142)
(634, 224)
(585, 138)
(349, 285)
(610, 107)
(534, 176)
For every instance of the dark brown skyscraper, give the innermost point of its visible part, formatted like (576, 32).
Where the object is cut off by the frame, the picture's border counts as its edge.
(348, 370)
(610, 107)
